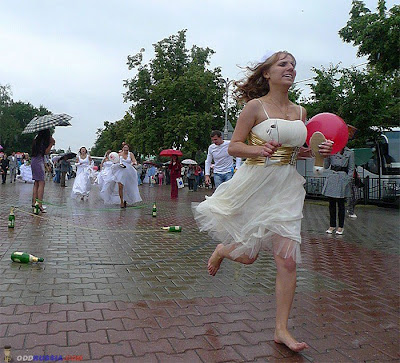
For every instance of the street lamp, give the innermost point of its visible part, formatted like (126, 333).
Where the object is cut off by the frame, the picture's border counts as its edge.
(227, 84)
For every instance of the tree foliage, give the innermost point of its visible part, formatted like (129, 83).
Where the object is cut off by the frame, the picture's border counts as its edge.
(112, 135)
(369, 97)
(176, 99)
(377, 35)
(14, 116)
(361, 97)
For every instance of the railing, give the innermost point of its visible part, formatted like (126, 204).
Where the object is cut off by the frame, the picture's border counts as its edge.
(374, 190)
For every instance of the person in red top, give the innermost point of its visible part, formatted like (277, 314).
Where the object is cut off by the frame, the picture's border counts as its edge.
(197, 171)
(175, 172)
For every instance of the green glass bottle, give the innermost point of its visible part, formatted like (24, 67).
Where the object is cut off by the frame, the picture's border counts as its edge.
(154, 213)
(173, 228)
(36, 208)
(11, 218)
(23, 257)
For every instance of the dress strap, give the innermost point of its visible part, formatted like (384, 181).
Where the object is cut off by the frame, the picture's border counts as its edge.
(262, 105)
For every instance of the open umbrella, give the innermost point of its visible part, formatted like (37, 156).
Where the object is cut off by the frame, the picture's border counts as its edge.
(170, 152)
(39, 123)
(69, 155)
(149, 162)
(189, 162)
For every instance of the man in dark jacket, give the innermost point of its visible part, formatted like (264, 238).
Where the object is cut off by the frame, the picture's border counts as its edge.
(4, 167)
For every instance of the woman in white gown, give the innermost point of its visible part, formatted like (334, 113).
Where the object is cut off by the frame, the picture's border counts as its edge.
(122, 187)
(105, 170)
(25, 171)
(82, 182)
(261, 206)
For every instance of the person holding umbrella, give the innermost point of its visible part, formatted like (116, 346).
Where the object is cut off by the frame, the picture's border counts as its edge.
(41, 146)
(175, 168)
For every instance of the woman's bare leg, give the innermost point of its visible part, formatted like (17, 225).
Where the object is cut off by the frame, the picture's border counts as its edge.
(40, 192)
(35, 192)
(121, 194)
(285, 288)
(221, 252)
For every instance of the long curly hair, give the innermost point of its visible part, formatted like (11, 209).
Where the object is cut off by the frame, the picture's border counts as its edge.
(254, 85)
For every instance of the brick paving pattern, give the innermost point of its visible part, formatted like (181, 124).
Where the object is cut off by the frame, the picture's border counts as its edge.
(114, 287)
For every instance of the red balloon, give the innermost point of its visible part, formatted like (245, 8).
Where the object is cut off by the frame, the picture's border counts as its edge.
(333, 128)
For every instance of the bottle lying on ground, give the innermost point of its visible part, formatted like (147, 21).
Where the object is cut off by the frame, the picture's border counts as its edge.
(23, 257)
(173, 228)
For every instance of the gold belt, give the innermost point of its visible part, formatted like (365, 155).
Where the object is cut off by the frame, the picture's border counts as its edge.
(284, 155)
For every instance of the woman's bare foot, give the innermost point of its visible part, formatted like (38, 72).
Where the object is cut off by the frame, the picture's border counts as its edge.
(285, 337)
(215, 261)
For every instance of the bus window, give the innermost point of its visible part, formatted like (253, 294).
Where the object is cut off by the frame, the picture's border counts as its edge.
(373, 163)
(390, 147)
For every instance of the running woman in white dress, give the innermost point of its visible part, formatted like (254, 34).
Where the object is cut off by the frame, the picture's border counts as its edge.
(261, 206)
(105, 170)
(126, 177)
(82, 182)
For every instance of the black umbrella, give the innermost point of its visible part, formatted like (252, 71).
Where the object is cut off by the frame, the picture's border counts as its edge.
(69, 155)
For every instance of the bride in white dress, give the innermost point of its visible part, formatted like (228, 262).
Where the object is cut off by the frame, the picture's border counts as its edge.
(261, 206)
(25, 171)
(82, 182)
(122, 187)
(105, 170)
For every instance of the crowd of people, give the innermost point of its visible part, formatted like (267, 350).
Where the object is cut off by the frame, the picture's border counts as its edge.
(256, 206)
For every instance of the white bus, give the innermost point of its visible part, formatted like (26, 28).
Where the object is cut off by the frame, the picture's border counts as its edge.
(378, 166)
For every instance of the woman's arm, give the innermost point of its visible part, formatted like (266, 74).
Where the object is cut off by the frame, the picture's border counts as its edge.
(351, 166)
(48, 149)
(245, 123)
(133, 159)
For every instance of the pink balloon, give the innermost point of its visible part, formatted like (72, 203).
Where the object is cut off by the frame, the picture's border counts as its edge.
(332, 126)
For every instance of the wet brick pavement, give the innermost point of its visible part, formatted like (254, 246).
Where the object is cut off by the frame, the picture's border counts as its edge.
(114, 287)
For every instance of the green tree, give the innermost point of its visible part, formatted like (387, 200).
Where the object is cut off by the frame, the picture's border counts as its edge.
(176, 99)
(14, 116)
(361, 97)
(377, 35)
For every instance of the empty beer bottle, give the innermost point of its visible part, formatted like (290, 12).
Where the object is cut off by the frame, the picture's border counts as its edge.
(173, 228)
(154, 213)
(24, 257)
(36, 208)
(11, 218)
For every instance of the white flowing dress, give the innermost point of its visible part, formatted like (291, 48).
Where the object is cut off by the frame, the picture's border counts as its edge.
(25, 173)
(127, 177)
(261, 207)
(104, 174)
(82, 182)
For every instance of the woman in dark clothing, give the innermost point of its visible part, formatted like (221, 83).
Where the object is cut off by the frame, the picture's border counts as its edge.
(337, 186)
(4, 167)
(175, 172)
(41, 146)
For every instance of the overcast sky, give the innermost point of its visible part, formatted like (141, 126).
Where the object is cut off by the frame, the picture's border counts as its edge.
(70, 56)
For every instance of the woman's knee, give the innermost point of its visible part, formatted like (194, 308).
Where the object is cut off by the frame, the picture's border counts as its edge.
(248, 261)
(287, 264)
